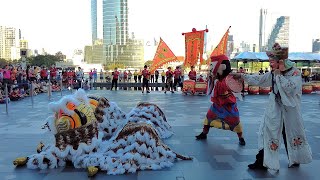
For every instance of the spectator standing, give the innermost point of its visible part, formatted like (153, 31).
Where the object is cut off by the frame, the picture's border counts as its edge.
(192, 74)
(261, 71)
(177, 78)
(6, 75)
(79, 76)
(139, 76)
(125, 76)
(169, 83)
(53, 72)
(152, 77)
(156, 74)
(90, 75)
(135, 76)
(145, 80)
(95, 75)
(115, 77)
(44, 74)
(101, 75)
(306, 75)
(129, 76)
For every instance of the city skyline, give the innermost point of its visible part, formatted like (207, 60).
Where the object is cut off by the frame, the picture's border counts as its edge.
(66, 25)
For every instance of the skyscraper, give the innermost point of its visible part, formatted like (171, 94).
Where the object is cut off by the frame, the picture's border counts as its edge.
(8, 42)
(115, 22)
(116, 46)
(94, 22)
(316, 45)
(230, 45)
(262, 27)
(280, 33)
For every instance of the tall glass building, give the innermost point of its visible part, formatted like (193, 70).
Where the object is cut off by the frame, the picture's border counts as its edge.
(94, 22)
(280, 33)
(115, 22)
(116, 45)
(316, 45)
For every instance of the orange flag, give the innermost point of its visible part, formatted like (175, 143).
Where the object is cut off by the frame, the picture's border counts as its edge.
(221, 49)
(163, 56)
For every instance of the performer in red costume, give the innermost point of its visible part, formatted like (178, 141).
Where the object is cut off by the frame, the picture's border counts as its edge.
(223, 113)
(192, 74)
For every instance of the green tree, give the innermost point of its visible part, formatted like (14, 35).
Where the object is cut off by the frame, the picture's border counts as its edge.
(148, 63)
(3, 62)
(44, 60)
(60, 56)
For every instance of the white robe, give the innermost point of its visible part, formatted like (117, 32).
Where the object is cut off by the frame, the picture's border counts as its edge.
(282, 110)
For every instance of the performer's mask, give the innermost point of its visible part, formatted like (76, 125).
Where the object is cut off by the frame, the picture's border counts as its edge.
(278, 58)
(216, 66)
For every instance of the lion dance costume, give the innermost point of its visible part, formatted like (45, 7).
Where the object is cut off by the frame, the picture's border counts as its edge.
(93, 133)
(223, 113)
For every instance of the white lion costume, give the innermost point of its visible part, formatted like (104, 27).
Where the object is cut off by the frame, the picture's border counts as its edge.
(93, 133)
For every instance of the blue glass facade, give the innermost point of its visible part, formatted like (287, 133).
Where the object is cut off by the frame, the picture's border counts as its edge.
(115, 22)
(94, 24)
(280, 33)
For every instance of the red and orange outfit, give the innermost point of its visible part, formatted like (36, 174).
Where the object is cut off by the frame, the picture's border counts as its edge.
(223, 113)
(145, 80)
(169, 83)
(192, 75)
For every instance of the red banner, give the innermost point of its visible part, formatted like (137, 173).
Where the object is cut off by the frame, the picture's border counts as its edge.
(222, 46)
(163, 56)
(194, 44)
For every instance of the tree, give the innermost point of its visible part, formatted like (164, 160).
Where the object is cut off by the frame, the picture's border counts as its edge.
(44, 60)
(60, 56)
(148, 63)
(3, 62)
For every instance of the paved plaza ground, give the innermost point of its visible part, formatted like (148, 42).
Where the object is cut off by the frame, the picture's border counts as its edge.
(219, 157)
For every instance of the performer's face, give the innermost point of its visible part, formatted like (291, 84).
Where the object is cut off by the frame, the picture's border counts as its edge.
(221, 68)
(274, 64)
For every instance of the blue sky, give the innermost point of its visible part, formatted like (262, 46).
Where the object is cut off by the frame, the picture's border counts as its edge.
(65, 24)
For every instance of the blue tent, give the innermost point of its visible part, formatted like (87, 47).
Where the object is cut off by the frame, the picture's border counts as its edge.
(262, 56)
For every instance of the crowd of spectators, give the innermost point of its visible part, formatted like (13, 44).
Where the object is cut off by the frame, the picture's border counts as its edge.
(20, 81)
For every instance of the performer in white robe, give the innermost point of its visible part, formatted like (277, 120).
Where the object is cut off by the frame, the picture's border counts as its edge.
(283, 114)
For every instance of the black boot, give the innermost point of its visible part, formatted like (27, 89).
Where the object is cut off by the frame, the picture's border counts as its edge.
(294, 165)
(201, 136)
(242, 142)
(258, 164)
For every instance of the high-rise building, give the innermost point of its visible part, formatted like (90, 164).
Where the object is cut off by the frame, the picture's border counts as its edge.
(316, 45)
(280, 33)
(94, 20)
(23, 44)
(97, 52)
(230, 45)
(115, 22)
(116, 47)
(244, 47)
(88, 54)
(262, 29)
(115, 29)
(7, 42)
